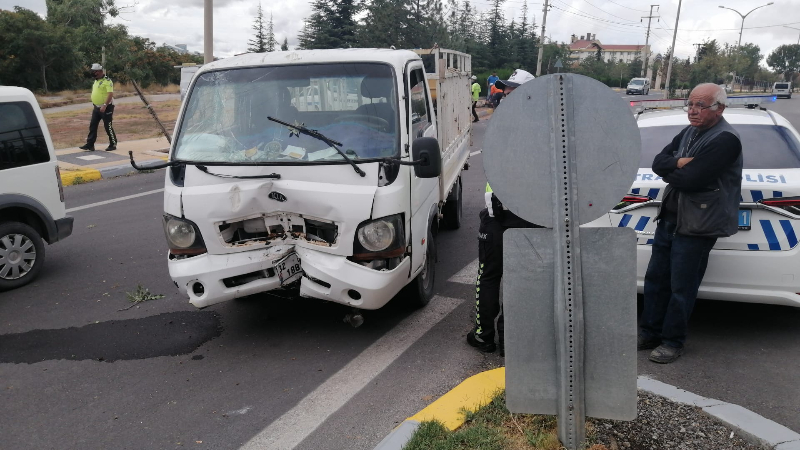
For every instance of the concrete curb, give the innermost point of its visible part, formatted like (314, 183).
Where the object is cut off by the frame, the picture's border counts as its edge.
(69, 177)
(477, 390)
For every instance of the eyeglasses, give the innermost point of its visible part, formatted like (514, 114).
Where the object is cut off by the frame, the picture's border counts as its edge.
(698, 106)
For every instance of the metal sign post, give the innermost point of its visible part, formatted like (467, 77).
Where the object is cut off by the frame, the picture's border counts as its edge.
(561, 152)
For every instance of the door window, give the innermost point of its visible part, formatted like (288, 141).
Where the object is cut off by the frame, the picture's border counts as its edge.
(22, 142)
(420, 119)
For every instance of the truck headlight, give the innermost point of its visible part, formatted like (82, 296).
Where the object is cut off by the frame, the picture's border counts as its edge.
(376, 236)
(380, 238)
(183, 237)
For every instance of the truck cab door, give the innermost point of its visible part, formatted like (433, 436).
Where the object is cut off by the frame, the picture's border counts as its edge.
(420, 122)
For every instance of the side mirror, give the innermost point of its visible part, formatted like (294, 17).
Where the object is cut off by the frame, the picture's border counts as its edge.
(426, 151)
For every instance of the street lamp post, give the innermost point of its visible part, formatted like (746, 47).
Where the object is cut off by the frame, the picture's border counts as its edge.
(739, 45)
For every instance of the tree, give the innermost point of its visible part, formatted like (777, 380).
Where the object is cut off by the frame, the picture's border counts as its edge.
(285, 45)
(271, 42)
(785, 60)
(331, 25)
(259, 42)
(36, 54)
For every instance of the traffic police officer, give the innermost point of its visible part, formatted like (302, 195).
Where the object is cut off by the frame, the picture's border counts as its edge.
(102, 97)
(495, 219)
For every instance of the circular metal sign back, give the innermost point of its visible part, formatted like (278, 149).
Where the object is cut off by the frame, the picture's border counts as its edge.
(540, 118)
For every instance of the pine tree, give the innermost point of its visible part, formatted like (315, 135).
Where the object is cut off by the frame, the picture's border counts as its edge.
(331, 25)
(285, 45)
(271, 42)
(259, 42)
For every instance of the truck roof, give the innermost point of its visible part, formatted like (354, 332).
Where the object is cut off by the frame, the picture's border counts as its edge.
(396, 58)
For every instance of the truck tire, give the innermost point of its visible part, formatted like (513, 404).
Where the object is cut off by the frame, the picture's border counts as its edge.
(21, 255)
(420, 291)
(453, 207)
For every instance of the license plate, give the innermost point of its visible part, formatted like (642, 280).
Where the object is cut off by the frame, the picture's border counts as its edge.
(744, 219)
(288, 268)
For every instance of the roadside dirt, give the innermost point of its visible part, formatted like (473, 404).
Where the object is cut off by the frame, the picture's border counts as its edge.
(131, 121)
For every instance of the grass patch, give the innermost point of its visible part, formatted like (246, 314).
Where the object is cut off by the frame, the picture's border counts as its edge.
(494, 427)
(78, 180)
(141, 295)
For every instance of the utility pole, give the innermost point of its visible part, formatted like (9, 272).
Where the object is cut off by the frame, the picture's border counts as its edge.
(208, 32)
(672, 51)
(541, 46)
(647, 39)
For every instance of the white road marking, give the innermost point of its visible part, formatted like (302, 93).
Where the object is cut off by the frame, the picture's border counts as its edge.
(476, 152)
(467, 274)
(90, 157)
(299, 422)
(114, 200)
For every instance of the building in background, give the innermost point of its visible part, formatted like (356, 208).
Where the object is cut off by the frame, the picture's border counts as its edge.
(588, 45)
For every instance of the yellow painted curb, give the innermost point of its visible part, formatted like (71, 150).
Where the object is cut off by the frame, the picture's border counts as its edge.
(473, 393)
(68, 177)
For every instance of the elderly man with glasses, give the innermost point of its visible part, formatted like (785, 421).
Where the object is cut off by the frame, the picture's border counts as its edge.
(703, 168)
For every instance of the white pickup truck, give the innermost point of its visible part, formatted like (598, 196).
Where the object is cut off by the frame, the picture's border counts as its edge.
(327, 170)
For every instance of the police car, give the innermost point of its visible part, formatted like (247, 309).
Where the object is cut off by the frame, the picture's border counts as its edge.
(760, 263)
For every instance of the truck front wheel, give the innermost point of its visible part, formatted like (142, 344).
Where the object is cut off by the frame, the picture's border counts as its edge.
(453, 207)
(420, 291)
(21, 255)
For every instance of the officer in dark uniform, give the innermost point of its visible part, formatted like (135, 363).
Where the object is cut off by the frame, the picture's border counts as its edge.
(495, 220)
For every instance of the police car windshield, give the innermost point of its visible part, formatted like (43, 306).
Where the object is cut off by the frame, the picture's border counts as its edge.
(763, 146)
(226, 117)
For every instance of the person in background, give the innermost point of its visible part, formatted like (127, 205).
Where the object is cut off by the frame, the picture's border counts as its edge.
(102, 100)
(703, 170)
(491, 80)
(476, 92)
(495, 220)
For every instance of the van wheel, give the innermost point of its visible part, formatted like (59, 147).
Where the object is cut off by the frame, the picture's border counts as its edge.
(453, 207)
(420, 291)
(21, 255)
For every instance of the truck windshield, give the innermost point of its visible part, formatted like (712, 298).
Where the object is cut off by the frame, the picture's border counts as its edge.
(226, 118)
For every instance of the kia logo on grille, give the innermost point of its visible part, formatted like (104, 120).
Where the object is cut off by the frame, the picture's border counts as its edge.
(277, 196)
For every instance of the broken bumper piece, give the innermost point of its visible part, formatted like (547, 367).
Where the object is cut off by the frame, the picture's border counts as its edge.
(211, 279)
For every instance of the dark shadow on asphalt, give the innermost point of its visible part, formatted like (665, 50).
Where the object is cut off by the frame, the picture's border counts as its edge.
(169, 334)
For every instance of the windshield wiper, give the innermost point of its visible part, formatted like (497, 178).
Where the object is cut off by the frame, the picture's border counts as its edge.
(317, 135)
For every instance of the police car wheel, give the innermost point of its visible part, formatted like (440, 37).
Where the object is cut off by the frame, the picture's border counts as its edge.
(420, 291)
(21, 255)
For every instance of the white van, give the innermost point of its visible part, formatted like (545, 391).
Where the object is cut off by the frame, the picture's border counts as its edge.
(32, 208)
(782, 89)
(638, 86)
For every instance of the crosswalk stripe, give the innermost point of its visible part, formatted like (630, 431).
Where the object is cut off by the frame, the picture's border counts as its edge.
(467, 274)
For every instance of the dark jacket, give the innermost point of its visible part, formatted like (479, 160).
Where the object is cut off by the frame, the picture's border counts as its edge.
(702, 198)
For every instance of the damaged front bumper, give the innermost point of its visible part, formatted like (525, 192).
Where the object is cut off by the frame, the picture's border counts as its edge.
(210, 279)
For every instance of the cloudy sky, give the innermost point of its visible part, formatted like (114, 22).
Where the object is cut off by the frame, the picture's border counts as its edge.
(613, 21)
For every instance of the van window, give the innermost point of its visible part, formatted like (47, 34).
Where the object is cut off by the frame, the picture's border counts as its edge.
(227, 114)
(763, 146)
(22, 142)
(781, 85)
(637, 82)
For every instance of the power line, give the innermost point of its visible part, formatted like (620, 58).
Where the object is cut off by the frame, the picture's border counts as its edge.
(606, 12)
(628, 7)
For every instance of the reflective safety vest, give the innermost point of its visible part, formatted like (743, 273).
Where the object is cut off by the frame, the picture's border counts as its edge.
(492, 201)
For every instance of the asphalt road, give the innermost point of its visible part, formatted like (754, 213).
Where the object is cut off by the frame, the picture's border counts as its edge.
(79, 370)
